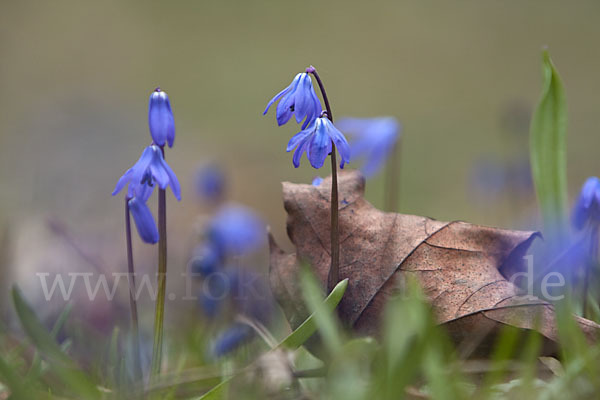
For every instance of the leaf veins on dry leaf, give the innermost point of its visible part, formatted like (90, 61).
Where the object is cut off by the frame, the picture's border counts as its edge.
(464, 269)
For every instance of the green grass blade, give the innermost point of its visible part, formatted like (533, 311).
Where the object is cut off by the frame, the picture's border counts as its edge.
(61, 364)
(548, 132)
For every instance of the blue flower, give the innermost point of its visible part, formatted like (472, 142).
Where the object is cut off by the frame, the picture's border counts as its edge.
(231, 339)
(210, 183)
(207, 259)
(316, 140)
(236, 230)
(317, 181)
(298, 98)
(144, 221)
(150, 169)
(160, 118)
(373, 140)
(587, 207)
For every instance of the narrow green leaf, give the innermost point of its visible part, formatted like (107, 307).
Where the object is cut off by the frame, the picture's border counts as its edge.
(313, 296)
(548, 132)
(309, 327)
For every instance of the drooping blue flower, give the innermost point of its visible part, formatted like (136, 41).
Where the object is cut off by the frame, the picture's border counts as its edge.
(317, 180)
(300, 99)
(316, 141)
(160, 118)
(372, 140)
(210, 183)
(231, 339)
(144, 221)
(149, 170)
(236, 230)
(587, 207)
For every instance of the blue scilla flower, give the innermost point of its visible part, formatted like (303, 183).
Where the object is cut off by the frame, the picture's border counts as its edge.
(207, 259)
(298, 98)
(210, 183)
(317, 140)
(587, 207)
(231, 339)
(372, 140)
(160, 118)
(317, 180)
(144, 221)
(236, 230)
(149, 170)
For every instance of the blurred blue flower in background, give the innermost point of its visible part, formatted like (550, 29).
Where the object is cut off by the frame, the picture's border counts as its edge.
(232, 338)
(372, 140)
(317, 180)
(144, 221)
(298, 98)
(160, 118)
(317, 141)
(587, 207)
(206, 259)
(236, 230)
(210, 183)
(151, 168)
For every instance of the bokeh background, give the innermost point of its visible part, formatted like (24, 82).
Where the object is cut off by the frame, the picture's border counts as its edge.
(462, 77)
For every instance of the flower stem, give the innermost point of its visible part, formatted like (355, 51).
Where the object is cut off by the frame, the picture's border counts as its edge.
(334, 270)
(162, 282)
(593, 260)
(392, 179)
(132, 301)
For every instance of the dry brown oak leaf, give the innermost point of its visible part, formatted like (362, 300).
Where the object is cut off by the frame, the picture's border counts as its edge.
(464, 269)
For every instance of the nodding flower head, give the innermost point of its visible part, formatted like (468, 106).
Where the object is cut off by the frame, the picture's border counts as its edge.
(371, 139)
(300, 99)
(587, 207)
(160, 118)
(236, 230)
(317, 141)
(144, 221)
(149, 170)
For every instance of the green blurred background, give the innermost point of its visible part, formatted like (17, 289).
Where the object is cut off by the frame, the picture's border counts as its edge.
(461, 76)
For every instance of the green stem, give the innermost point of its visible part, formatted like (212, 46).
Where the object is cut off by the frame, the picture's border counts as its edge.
(392, 179)
(162, 283)
(592, 261)
(132, 300)
(334, 270)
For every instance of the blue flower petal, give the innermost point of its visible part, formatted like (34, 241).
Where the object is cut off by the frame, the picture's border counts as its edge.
(231, 339)
(297, 138)
(144, 221)
(320, 144)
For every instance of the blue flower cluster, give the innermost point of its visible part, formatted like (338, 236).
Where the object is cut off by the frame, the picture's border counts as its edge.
(234, 231)
(318, 133)
(151, 169)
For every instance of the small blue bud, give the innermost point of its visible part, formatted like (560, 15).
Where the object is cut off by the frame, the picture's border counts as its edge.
(160, 118)
(144, 221)
(317, 181)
